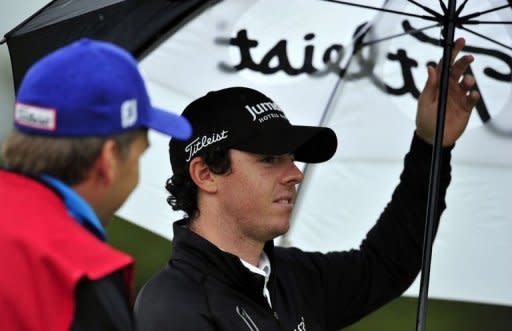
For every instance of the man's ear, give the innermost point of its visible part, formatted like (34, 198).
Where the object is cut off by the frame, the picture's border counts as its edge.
(106, 166)
(202, 176)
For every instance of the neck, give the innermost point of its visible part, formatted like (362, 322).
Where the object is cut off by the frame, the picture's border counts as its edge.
(94, 198)
(226, 238)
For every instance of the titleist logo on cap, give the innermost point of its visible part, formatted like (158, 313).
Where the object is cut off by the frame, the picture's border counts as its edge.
(35, 117)
(201, 142)
(259, 111)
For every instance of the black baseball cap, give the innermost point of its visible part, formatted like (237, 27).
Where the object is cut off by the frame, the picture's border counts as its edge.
(245, 119)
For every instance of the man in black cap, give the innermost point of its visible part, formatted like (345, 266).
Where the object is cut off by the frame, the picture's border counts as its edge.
(236, 180)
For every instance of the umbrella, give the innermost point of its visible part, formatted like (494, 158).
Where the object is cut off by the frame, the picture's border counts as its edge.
(134, 25)
(319, 62)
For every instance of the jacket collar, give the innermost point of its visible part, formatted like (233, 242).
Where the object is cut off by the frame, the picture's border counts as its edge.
(193, 250)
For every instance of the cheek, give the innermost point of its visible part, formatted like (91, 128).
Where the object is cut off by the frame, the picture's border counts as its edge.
(136, 172)
(245, 193)
(239, 191)
(134, 180)
(131, 178)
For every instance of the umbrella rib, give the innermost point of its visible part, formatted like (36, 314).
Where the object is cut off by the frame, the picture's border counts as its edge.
(476, 14)
(425, 8)
(443, 7)
(409, 32)
(461, 8)
(485, 37)
(474, 22)
(429, 18)
(359, 36)
(327, 108)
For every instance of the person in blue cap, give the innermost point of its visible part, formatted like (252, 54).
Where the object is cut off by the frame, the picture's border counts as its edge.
(80, 127)
(236, 179)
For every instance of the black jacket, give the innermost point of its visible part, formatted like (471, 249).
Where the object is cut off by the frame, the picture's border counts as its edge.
(204, 288)
(102, 305)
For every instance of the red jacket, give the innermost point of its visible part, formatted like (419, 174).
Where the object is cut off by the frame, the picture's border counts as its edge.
(44, 253)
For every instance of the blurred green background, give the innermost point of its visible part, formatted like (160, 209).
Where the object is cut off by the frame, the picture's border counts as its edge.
(151, 252)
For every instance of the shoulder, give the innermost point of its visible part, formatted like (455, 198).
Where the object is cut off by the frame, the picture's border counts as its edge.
(170, 280)
(102, 304)
(172, 296)
(292, 263)
(296, 263)
(294, 257)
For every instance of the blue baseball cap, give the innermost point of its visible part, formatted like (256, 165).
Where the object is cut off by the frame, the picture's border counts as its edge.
(89, 88)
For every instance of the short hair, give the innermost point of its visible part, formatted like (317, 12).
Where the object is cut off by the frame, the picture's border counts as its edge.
(183, 190)
(65, 158)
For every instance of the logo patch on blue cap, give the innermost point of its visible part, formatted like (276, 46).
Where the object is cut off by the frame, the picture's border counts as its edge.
(35, 117)
(129, 113)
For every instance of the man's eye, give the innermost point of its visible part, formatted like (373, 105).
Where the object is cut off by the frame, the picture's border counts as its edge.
(274, 159)
(269, 159)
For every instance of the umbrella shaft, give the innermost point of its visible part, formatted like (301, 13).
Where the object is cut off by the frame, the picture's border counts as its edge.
(448, 36)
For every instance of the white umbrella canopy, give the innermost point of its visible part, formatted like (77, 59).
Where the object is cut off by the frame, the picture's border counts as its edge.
(274, 48)
(300, 54)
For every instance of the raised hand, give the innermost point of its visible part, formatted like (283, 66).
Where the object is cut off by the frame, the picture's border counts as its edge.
(461, 99)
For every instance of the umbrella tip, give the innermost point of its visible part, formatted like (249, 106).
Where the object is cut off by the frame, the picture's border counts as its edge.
(2, 41)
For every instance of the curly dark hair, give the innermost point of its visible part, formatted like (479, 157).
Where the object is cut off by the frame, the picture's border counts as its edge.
(183, 190)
